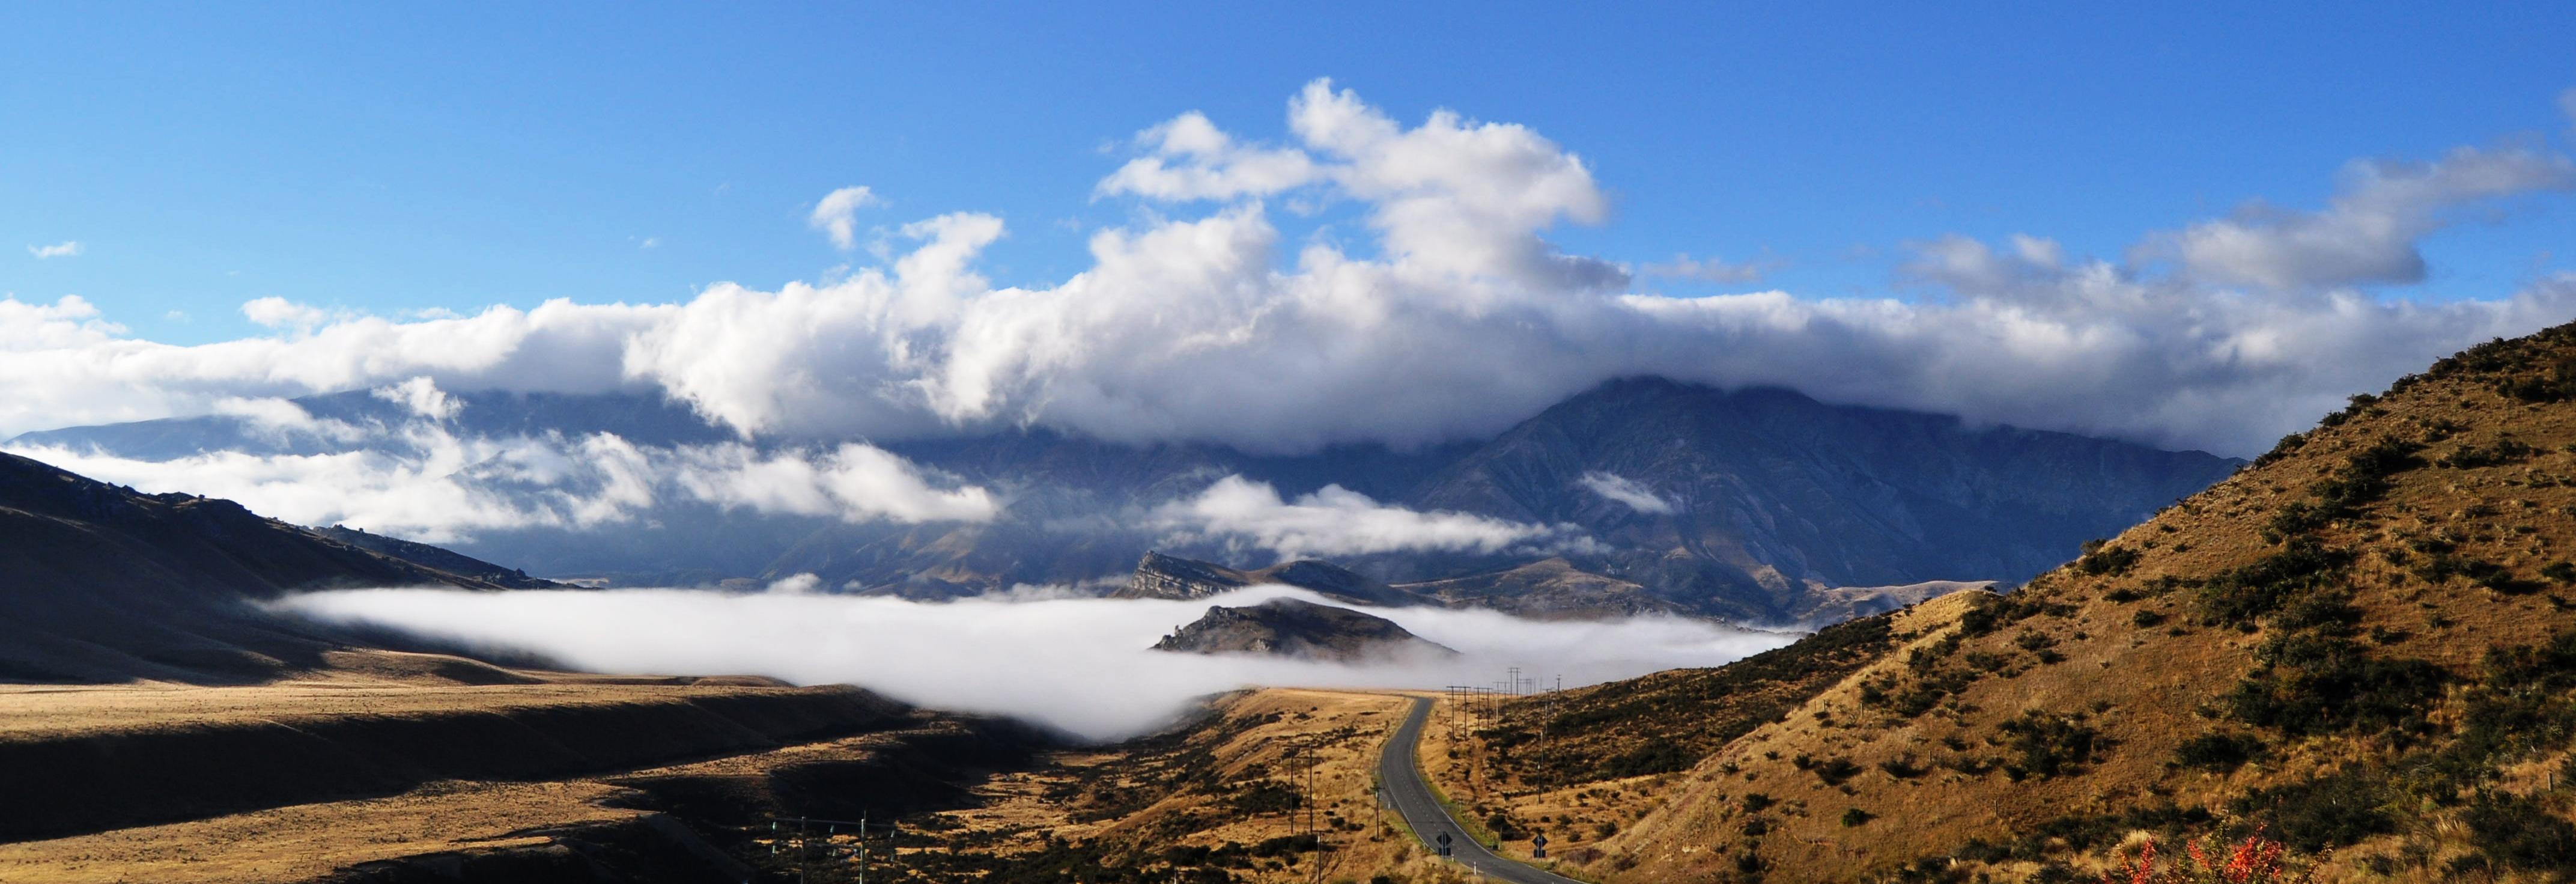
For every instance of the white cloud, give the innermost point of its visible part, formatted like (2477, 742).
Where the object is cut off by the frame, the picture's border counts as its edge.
(794, 584)
(422, 397)
(1336, 521)
(276, 312)
(1627, 491)
(280, 418)
(422, 481)
(1458, 319)
(65, 249)
(856, 483)
(1191, 159)
(1080, 664)
(1711, 270)
(2368, 233)
(837, 215)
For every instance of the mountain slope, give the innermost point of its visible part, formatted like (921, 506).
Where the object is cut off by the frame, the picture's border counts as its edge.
(1741, 503)
(100, 583)
(2364, 643)
(1547, 589)
(1744, 505)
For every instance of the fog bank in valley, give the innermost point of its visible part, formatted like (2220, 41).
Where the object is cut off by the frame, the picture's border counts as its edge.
(1078, 664)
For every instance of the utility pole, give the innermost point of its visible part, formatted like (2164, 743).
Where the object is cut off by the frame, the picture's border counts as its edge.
(804, 832)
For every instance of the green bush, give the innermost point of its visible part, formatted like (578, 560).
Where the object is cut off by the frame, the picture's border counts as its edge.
(1855, 818)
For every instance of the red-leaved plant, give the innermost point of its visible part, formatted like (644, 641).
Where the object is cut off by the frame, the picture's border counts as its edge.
(2215, 860)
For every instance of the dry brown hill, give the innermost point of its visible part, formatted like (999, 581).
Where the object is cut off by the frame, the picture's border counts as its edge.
(101, 583)
(2364, 643)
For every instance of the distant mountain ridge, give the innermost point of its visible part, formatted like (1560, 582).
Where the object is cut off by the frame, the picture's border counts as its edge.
(1160, 576)
(1743, 504)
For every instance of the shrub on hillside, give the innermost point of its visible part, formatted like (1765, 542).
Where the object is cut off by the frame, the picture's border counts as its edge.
(2328, 811)
(2214, 860)
(2314, 684)
(2516, 832)
(2050, 745)
(2219, 752)
(2505, 450)
(2101, 560)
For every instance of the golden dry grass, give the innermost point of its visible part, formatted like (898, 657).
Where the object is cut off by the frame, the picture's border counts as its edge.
(311, 841)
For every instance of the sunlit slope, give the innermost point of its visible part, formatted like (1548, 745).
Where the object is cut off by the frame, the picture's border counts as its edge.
(2364, 642)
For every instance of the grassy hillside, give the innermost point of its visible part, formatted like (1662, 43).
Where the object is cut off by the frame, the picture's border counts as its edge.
(2364, 643)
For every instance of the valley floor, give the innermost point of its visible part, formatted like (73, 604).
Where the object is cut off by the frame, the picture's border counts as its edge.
(399, 767)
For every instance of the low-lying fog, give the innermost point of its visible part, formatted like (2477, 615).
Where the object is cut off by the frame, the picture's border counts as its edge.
(1079, 664)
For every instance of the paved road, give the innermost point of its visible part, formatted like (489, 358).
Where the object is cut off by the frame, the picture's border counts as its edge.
(1399, 767)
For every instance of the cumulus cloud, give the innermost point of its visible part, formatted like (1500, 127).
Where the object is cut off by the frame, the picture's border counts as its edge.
(66, 249)
(1336, 521)
(1613, 486)
(1191, 159)
(276, 312)
(1080, 665)
(2368, 233)
(1202, 321)
(837, 215)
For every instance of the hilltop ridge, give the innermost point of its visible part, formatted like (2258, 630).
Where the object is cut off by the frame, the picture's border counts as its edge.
(2363, 643)
(102, 583)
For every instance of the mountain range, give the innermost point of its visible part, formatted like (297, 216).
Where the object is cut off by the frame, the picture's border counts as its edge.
(1759, 505)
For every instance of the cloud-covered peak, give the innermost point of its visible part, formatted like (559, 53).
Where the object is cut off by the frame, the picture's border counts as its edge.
(1203, 321)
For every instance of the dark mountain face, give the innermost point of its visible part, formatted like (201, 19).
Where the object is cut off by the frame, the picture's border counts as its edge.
(1748, 501)
(1548, 589)
(1294, 628)
(99, 583)
(432, 557)
(1741, 504)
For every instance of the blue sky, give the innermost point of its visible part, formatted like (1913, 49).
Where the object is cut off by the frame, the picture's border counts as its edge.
(383, 158)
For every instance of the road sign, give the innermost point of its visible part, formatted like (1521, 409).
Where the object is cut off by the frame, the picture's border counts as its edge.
(1444, 844)
(1538, 847)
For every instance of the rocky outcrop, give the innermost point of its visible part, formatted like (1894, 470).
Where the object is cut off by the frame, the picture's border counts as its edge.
(1174, 578)
(1296, 628)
